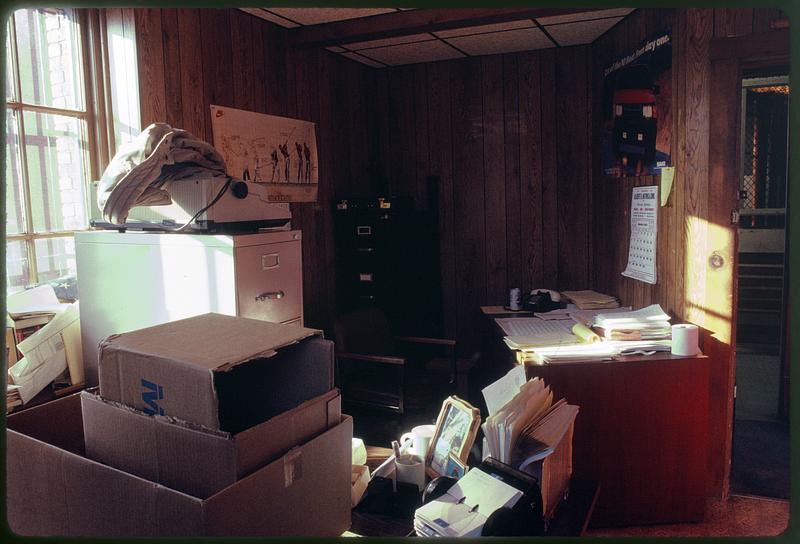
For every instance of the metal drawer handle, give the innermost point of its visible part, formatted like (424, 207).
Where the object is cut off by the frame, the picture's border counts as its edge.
(366, 249)
(270, 261)
(271, 295)
(363, 230)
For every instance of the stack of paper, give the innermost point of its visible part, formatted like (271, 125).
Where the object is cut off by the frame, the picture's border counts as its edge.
(541, 437)
(12, 397)
(527, 426)
(591, 300)
(465, 507)
(650, 323)
(32, 304)
(526, 332)
(596, 351)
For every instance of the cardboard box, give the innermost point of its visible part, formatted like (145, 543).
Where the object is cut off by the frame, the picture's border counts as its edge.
(192, 459)
(53, 489)
(221, 372)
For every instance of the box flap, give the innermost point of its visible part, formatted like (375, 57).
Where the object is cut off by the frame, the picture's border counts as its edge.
(264, 443)
(226, 340)
(205, 461)
(314, 500)
(52, 491)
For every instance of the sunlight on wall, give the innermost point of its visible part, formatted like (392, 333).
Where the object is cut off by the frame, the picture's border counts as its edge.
(124, 87)
(708, 290)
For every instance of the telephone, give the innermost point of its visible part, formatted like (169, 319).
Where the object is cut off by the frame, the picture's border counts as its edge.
(543, 300)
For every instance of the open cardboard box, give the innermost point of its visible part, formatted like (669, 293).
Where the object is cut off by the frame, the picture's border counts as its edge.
(222, 372)
(190, 458)
(53, 489)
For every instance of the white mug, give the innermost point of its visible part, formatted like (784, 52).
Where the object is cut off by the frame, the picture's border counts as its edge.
(410, 469)
(420, 437)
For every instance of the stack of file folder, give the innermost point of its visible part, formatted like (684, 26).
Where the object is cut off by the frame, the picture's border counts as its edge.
(591, 300)
(650, 323)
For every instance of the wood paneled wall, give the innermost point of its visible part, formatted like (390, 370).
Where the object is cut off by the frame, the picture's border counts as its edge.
(695, 223)
(191, 58)
(612, 197)
(508, 136)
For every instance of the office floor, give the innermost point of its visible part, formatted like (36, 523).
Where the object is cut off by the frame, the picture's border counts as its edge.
(738, 516)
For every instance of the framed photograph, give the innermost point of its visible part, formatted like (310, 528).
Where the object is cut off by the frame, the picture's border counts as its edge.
(455, 432)
(454, 467)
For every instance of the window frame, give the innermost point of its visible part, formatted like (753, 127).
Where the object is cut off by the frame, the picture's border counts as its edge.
(99, 129)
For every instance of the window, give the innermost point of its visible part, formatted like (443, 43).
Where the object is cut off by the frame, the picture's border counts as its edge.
(53, 137)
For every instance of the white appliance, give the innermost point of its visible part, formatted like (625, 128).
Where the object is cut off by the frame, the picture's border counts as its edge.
(130, 280)
(243, 204)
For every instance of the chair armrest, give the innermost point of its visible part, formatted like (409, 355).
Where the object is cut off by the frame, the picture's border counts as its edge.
(373, 358)
(423, 340)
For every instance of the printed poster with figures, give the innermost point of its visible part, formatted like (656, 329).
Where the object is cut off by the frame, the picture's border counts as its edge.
(278, 152)
(644, 233)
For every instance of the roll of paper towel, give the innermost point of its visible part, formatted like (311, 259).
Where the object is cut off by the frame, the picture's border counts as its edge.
(684, 339)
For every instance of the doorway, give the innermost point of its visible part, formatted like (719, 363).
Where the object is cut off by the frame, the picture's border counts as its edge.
(760, 463)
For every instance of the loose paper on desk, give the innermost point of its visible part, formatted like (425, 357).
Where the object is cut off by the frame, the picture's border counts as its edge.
(500, 393)
(532, 331)
(644, 227)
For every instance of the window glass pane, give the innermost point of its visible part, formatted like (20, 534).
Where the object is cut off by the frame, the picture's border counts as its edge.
(56, 151)
(18, 275)
(48, 46)
(15, 217)
(9, 64)
(55, 257)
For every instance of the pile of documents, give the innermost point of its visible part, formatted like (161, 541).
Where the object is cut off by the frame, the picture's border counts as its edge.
(591, 300)
(465, 507)
(527, 332)
(650, 323)
(524, 425)
(12, 397)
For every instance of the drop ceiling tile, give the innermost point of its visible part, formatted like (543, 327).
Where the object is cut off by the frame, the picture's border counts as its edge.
(524, 39)
(314, 16)
(580, 32)
(412, 53)
(271, 17)
(362, 59)
(585, 15)
(390, 41)
(483, 29)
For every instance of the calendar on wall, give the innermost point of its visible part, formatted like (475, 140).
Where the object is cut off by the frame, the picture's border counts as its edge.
(644, 233)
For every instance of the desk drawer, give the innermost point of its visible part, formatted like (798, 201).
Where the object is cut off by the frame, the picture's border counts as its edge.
(270, 281)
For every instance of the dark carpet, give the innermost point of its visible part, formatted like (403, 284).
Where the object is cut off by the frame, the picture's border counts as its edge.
(760, 464)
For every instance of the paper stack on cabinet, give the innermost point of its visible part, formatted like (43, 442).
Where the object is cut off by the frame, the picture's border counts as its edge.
(591, 300)
(465, 507)
(649, 323)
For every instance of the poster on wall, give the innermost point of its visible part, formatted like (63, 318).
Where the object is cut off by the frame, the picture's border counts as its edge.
(278, 152)
(636, 110)
(644, 234)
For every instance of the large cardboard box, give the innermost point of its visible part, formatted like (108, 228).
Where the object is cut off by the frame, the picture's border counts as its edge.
(53, 489)
(190, 458)
(221, 372)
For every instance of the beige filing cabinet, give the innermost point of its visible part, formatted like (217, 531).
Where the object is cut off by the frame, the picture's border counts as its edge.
(131, 280)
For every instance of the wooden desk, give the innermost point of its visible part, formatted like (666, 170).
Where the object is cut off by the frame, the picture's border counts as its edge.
(642, 431)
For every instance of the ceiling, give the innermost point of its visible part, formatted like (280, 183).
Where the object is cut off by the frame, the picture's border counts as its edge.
(524, 34)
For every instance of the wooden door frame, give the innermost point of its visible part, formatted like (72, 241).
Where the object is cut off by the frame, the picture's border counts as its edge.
(728, 58)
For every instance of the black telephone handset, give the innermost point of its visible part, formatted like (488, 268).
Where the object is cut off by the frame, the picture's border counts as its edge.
(543, 300)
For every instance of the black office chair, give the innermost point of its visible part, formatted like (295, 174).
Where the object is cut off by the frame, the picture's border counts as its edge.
(374, 366)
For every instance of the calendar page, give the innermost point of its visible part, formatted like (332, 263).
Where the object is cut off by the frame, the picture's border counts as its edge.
(644, 230)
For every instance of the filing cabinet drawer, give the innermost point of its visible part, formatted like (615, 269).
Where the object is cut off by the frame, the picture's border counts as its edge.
(270, 281)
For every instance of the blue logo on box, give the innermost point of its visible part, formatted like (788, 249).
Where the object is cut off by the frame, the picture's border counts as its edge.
(151, 394)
